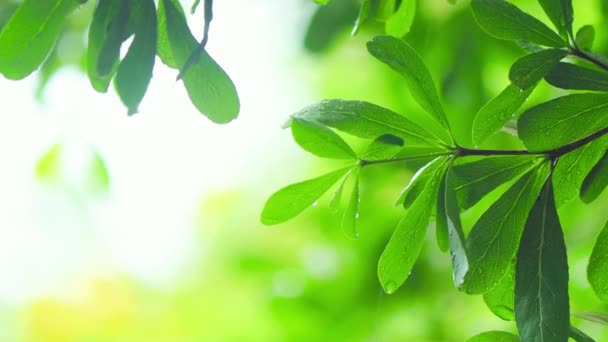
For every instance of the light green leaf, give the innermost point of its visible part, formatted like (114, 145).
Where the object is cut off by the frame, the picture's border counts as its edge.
(399, 24)
(504, 20)
(579, 336)
(530, 69)
(406, 242)
(596, 181)
(209, 87)
(288, 202)
(561, 14)
(363, 15)
(334, 203)
(563, 120)
(351, 215)
(99, 176)
(442, 234)
(494, 114)
(29, 35)
(571, 76)
(585, 37)
(542, 309)
(494, 336)
(418, 182)
(384, 9)
(572, 168)
(135, 70)
(403, 58)
(320, 140)
(473, 180)
(494, 239)
(366, 120)
(501, 299)
(384, 147)
(322, 2)
(597, 270)
(595, 317)
(48, 167)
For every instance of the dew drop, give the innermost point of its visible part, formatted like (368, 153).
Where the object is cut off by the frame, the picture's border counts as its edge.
(356, 216)
(390, 287)
(315, 203)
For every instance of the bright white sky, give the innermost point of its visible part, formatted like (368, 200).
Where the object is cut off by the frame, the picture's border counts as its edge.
(162, 161)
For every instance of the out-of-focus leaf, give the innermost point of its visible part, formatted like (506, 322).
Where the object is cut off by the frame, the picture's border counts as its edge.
(561, 14)
(596, 181)
(328, 22)
(494, 336)
(597, 270)
(473, 180)
(595, 317)
(48, 166)
(542, 309)
(320, 140)
(363, 15)
(564, 120)
(384, 147)
(579, 336)
(209, 87)
(494, 114)
(384, 9)
(585, 37)
(366, 120)
(494, 239)
(504, 20)
(404, 246)
(403, 58)
(417, 184)
(401, 21)
(530, 69)
(351, 214)
(293, 199)
(501, 299)
(99, 177)
(571, 76)
(29, 35)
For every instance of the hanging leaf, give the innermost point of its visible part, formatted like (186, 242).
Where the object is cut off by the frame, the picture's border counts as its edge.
(597, 270)
(495, 336)
(585, 37)
(494, 239)
(596, 181)
(399, 24)
(530, 69)
(288, 202)
(418, 183)
(320, 140)
(542, 310)
(571, 76)
(501, 300)
(561, 14)
(351, 215)
(363, 15)
(384, 147)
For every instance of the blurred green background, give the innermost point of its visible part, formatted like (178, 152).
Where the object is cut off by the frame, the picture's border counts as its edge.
(146, 228)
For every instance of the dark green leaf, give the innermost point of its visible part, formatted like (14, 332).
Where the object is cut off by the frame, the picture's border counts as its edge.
(417, 184)
(571, 76)
(135, 70)
(530, 69)
(366, 120)
(596, 317)
(596, 181)
(563, 120)
(384, 147)
(561, 14)
(504, 20)
(29, 35)
(320, 140)
(363, 15)
(351, 215)
(501, 299)
(403, 58)
(209, 87)
(401, 21)
(585, 37)
(328, 23)
(498, 111)
(288, 202)
(405, 244)
(494, 239)
(572, 168)
(494, 336)
(579, 336)
(474, 180)
(542, 310)
(597, 270)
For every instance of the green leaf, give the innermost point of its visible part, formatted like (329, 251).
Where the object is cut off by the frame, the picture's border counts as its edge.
(579, 336)
(561, 14)
(99, 177)
(572, 168)
(320, 140)
(208, 86)
(399, 24)
(473, 180)
(585, 37)
(403, 58)
(494, 336)
(542, 310)
(351, 215)
(442, 235)
(492, 116)
(563, 120)
(29, 35)
(596, 181)
(406, 242)
(595, 317)
(504, 20)
(48, 167)
(530, 69)
(288, 202)
(363, 15)
(135, 70)
(384, 147)
(494, 239)
(571, 76)
(106, 35)
(418, 183)
(501, 299)
(597, 270)
(366, 120)
(447, 209)
(384, 9)
(334, 203)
